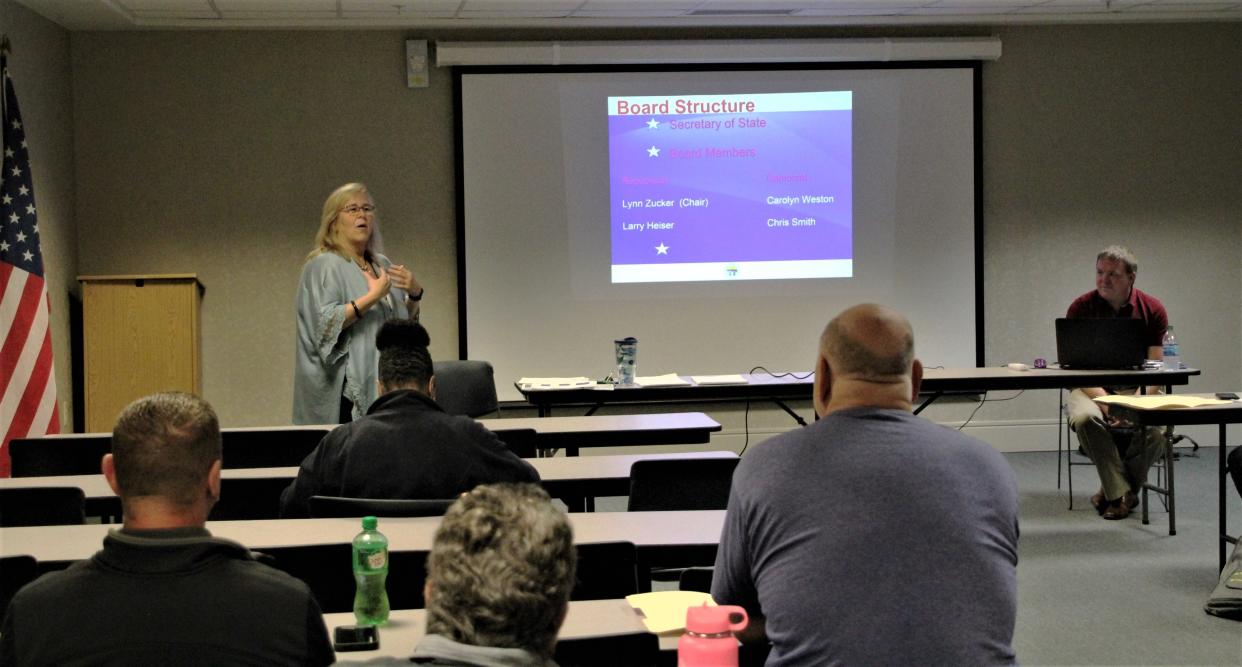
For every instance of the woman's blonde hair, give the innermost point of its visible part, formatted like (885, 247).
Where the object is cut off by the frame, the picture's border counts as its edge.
(327, 239)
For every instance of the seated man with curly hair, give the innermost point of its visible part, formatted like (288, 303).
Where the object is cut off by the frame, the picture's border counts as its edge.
(498, 579)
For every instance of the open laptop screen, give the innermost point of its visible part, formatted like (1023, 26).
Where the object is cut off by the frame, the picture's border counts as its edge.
(1101, 343)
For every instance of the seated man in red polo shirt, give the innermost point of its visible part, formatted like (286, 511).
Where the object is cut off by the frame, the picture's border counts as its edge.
(1115, 296)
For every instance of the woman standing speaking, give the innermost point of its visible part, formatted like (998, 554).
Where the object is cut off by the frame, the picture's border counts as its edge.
(346, 293)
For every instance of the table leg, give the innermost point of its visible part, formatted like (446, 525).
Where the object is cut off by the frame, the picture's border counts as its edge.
(928, 401)
(1220, 498)
(797, 417)
(1172, 496)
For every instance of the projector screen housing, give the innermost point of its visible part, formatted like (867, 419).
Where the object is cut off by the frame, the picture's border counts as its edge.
(540, 214)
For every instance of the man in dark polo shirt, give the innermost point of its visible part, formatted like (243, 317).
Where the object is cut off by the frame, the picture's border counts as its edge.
(163, 591)
(1116, 296)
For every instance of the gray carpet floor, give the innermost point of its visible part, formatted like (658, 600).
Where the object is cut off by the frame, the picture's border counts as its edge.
(1096, 592)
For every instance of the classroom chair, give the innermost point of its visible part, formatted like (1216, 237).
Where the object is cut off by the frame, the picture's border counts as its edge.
(606, 571)
(680, 484)
(328, 571)
(466, 387)
(15, 572)
(46, 457)
(42, 506)
(248, 498)
(327, 507)
(637, 649)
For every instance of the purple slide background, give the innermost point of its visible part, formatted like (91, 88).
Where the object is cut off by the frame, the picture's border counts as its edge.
(734, 226)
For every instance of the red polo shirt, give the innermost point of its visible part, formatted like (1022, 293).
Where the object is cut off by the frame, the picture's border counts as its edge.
(1141, 306)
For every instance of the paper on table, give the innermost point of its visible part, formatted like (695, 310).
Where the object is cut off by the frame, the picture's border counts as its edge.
(718, 379)
(1160, 401)
(666, 380)
(555, 383)
(665, 611)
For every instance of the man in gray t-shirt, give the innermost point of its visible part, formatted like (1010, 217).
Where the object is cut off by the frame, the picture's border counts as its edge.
(872, 536)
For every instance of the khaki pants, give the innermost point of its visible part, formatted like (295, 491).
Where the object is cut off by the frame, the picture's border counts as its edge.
(1117, 476)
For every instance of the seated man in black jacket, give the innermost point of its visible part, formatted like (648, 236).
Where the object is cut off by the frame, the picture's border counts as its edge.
(406, 446)
(163, 591)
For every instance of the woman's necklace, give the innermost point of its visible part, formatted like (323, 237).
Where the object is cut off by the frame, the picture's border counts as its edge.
(364, 266)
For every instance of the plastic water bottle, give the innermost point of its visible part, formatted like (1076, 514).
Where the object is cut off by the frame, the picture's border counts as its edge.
(370, 555)
(1172, 360)
(709, 640)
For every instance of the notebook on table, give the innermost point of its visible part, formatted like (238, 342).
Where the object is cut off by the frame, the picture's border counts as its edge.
(1101, 343)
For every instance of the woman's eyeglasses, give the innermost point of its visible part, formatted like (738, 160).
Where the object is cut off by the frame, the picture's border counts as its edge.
(355, 209)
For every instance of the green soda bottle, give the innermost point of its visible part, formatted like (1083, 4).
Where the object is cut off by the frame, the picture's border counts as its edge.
(370, 555)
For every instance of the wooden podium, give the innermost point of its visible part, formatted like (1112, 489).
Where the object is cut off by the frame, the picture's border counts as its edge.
(140, 335)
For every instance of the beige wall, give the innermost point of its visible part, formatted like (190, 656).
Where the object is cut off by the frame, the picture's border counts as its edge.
(40, 69)
(211, 152)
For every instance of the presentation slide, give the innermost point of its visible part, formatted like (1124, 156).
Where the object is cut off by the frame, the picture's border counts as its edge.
(730, 187)
(721, 217)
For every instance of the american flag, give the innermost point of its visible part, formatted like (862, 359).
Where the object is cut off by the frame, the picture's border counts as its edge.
(27, 383)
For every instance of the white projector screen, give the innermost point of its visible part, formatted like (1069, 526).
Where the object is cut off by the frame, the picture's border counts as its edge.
(719, 217)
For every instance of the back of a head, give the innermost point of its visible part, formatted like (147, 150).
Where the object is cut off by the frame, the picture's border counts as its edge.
(164, 445)
(404, 360)
(869, 342)
(501, 569)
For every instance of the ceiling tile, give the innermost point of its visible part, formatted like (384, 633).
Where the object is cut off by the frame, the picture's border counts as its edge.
(170, 5)
(151, 14)
(525, 6)
(666, 7)
(629, 14)
(276, 5)
(836, 5)
(871, 11)
(756, 5)
(1180, 7)
(413, 7)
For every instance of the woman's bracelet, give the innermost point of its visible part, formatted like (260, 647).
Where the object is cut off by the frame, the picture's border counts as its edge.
(421, 292)
(357, 312)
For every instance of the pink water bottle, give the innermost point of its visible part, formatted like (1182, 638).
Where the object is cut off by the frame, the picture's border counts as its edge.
(709, 640)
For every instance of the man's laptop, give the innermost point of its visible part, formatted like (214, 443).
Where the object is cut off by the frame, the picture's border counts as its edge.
(1101, 343)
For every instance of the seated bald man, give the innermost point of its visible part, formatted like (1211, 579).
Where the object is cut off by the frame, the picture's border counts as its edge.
(163, 591)
(872, 537)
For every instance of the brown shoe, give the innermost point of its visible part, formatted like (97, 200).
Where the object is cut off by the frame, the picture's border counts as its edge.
(1131, 500)
(1099, 502)
(1117, 510)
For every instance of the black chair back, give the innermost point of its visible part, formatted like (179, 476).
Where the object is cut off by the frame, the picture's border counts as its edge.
(520, 441)
(327, 569)
(46, 457)
(680, 484)
(242, 448)
(249, 498)
(466, 387)
(268, 448)
(42, 506)
(606, 571)
(640, 649)
(326, 507)
(15, 572)
(696, 579)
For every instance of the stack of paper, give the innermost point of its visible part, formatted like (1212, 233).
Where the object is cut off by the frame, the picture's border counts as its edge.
(665, 611)
(1160, 401)
(718, 379)
(666, 380)
(555, 383)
